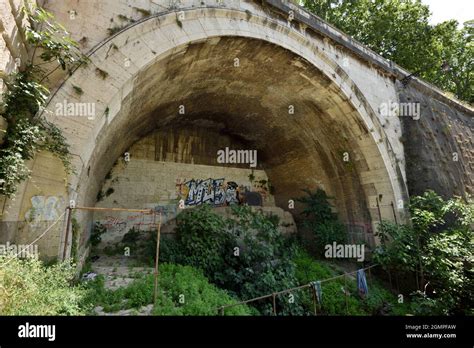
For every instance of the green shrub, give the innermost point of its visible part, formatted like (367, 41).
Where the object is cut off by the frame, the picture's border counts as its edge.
(437, 248)
(308, 270)
(321, 221)
(28, 287)
(204, 239)
(421, 304)
(96, 235)
(245, 254)
(131, 237)
(379, 301)
(399, 247)
(334, 300)
(97, 295)
(200, 297)
(170, 250)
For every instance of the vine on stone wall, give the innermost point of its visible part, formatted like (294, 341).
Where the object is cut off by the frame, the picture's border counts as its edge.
(25, 96)
(52, 40)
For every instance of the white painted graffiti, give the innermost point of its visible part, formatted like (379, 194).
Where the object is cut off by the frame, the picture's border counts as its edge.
(44, 208)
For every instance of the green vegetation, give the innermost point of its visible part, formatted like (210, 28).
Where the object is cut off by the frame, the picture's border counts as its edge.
(114, 30)
(142, 11)
(437, 250)
(28, 287)
(141, 245)
(96, 234)
(217, 261)
(78, 90)
(245, 254)
(399, 30)
(21, 101)
(321, 221)
(24, 97)
(379, 301)
(52, 38)
(182, 290)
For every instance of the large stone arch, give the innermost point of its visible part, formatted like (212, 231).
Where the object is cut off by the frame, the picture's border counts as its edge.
(332, 114)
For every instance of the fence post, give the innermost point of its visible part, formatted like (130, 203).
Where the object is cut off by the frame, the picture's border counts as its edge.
(394, 214)
(378, 209)
(155, 289)
(345, 294)
(313, 291)
(274, 304)
(66, 237)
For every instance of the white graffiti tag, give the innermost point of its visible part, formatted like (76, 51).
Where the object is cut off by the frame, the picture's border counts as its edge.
(44, 209)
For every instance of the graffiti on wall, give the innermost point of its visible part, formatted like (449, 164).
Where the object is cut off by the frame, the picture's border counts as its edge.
(114, 224)
(217, 192)
(44, 208)
(143, 221)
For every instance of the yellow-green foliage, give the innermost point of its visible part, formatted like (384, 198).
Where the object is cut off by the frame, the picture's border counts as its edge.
(28, 287)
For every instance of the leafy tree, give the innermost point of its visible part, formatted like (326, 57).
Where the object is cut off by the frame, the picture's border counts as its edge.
(454, 66)
(399, 30)
(438, 248)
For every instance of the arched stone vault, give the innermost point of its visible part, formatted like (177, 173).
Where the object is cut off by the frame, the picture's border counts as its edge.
(165, 61)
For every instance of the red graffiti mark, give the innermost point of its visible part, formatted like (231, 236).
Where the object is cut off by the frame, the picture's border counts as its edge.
(111, 221)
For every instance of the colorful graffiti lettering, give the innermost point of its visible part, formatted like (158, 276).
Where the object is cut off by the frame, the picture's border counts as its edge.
(211, 191)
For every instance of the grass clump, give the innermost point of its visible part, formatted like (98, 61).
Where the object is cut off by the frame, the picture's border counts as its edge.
(182, 290)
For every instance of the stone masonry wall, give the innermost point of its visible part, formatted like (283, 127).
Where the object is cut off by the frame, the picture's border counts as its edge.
(439, 147)
(162, 170)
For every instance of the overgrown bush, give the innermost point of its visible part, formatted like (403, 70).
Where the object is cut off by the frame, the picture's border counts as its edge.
(437, 249)
(380, 301)
(245, 254)
(182, 290)
(28, 287)
(321, 221)
(199, 297)
(264, 264)
(204, 241)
